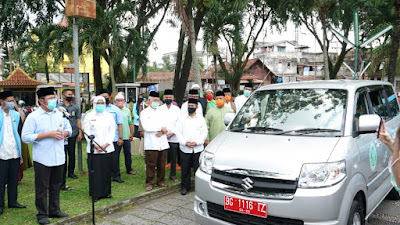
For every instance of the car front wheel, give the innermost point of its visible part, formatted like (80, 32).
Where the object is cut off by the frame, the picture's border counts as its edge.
(356, 216)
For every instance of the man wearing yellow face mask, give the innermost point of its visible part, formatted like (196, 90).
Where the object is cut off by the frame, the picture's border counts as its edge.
(215, 117)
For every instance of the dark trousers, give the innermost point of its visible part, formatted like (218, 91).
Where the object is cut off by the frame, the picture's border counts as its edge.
(47, 179)
(71, 154)
(65, 167)
(136, 132)
(155, 159)
(172, 156)
(127, 155)
(188, 161)
(115, 172)
(9, 174)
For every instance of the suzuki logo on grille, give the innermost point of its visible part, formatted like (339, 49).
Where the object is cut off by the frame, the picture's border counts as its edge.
(247, 184)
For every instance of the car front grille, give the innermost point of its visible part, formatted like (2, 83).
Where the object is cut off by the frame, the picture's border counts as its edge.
(218, 212)
(263, 187)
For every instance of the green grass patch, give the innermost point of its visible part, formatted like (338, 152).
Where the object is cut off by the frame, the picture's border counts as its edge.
(78, 201)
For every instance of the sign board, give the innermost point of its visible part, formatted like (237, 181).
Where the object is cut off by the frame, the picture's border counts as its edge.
(85, 9)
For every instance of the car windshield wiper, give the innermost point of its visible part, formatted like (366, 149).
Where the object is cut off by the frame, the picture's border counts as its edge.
(256, 129)
(309, 130)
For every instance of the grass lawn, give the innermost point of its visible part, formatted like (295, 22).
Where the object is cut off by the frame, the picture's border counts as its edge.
(77, 200)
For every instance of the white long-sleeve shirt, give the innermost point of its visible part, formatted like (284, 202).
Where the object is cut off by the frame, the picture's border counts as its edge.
(102, 126)
(191, 129)
(184, 109)
(239, 102)
(171, 117)
(152, 121)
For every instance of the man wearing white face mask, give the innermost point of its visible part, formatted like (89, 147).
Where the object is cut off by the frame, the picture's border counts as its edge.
(46, 129)
(240, 100)
(10, 150)
(155, 142)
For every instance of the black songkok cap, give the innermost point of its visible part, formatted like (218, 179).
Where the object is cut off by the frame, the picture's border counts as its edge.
(219, 93)
(193, 92)
(192, 101)
(248, 85)
(5, 94)
(226, 90)
(102, 91)
(168, 92)
(154, 94)
(42, 92)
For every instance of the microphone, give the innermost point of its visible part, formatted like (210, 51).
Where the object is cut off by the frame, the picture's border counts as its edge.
(64, 111)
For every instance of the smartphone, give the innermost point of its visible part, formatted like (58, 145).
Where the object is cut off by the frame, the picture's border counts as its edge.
(379, 129)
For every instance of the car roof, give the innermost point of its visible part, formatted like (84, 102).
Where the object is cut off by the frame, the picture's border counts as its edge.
(325, 84)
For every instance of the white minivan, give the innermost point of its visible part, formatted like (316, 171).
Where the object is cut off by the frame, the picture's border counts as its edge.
(300, 153)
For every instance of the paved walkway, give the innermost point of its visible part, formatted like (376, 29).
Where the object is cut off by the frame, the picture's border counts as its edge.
(172, 209)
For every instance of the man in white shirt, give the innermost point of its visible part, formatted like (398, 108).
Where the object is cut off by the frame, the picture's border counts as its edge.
(193, 94)
(191, 133)
(155, 142)
(10, 150)
(170, 114)
(240, 100)
(228, 99)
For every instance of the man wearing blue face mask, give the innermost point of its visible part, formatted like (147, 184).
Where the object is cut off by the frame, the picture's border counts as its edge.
(46, 129)
(240, 100)
(10, 150)
(155, 142)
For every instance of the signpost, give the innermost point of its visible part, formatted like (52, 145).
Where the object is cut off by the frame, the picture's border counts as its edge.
(356, 44)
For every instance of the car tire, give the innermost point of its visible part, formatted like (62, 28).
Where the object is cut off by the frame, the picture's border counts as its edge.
(356, 215)
(393, 195)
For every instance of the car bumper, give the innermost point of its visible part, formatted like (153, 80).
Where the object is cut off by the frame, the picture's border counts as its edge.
(312, 206)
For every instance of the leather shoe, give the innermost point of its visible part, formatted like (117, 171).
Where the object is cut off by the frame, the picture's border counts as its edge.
(43, 220)
(73, 176)
(184, 191)
(149, 188)
(17, 205)
(58, 215)
(1, 211)
(118, 180)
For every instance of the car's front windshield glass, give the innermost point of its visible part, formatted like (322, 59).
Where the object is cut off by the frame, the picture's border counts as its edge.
(293, 111)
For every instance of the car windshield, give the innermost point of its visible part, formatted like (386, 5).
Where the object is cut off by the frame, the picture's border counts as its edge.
(294, 112)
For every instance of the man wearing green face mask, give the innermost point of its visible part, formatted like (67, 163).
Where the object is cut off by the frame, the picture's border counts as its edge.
(155, 142)
(46, 129)
(240, 100)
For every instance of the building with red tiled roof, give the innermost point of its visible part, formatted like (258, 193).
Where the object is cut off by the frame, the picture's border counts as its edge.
(22, 86)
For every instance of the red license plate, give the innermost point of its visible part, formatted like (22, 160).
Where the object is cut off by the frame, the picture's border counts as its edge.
(246, 206)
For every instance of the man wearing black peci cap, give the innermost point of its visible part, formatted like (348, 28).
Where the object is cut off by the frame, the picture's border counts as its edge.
(193, 94)
(240, 100)
(46, 129)
(191, 132)
(228, 99)
(10, 150)
(155, 142)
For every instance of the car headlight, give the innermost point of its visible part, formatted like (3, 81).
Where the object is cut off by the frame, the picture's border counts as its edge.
(317, 175)
(206, 162)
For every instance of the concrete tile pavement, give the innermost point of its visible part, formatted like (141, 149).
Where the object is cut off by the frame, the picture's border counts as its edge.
(173, 209)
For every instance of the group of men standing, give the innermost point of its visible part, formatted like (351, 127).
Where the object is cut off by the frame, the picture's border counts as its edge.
(168, 131)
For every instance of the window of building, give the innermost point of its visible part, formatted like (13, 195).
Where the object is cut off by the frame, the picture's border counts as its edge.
(281, 49)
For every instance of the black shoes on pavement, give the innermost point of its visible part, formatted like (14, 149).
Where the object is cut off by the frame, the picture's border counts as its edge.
(43, 220)
(183, 191)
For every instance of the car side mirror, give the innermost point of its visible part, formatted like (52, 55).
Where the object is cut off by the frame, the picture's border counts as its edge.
(368, 123)
(228, 118)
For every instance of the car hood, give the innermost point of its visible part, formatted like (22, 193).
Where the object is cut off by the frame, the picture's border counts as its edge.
(278, 155)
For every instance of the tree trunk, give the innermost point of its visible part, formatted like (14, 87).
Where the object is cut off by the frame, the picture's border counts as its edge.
(178, 93)
(394, 50)
(46, 70)
(325, 51)
(97, 73)
(195, 60)
(112, 75)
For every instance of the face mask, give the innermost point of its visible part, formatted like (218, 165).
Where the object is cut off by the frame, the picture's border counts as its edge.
(191, 110)
(68, 99)
(227, 98)
(155, 105)
(9, 105)
(100, 108)
(168, 101)
(220, 103)
(209, 97)
(51, 104)
(119, 104)
(107, 101)
(246, 93)
(140, 99)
